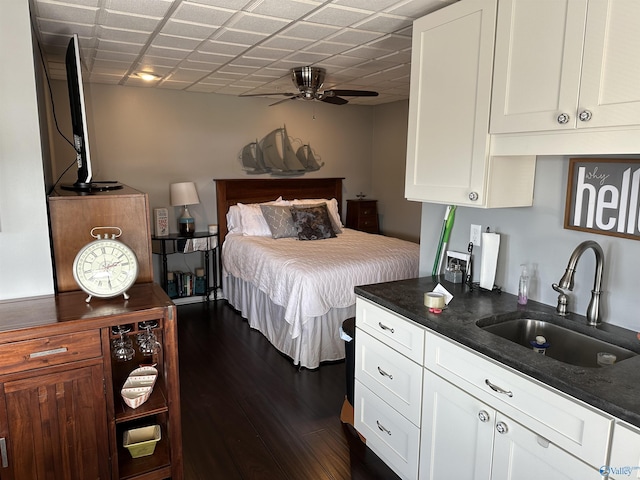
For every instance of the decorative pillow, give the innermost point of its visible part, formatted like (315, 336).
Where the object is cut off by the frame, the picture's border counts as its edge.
(332, 207)
(279, 220)
(251, 219)
(312, 222)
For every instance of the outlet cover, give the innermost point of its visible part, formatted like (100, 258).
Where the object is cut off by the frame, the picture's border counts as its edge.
(475, 235)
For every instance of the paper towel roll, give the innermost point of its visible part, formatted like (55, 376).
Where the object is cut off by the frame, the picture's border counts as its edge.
(489, 259)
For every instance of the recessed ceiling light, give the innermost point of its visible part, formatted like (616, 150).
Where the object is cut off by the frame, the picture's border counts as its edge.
(148, 76)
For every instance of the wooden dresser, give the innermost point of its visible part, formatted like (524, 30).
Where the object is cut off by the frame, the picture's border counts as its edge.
(363, 215)
(61, 413)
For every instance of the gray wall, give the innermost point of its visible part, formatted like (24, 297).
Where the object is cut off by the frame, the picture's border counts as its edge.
(536, 236)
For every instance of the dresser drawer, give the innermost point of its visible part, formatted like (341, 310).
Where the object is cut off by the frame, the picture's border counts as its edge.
(564, 421)
(393, 330)
(47, 351)
(391, 436)
(393, 377)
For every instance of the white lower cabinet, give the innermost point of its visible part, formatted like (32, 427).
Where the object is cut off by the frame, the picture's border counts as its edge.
(625, 452)
(464, 438)
(459, 414)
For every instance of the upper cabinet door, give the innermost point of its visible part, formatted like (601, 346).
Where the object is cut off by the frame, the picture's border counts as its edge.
(451, 64)
(610, 87)
(537, 65)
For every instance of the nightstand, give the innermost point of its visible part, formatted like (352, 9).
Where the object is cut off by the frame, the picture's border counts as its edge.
(363, 215)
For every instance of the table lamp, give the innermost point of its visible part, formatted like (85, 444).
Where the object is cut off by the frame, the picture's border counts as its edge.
(185, 194)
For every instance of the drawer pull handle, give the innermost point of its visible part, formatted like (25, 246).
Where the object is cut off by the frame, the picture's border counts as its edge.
(384, 327)
(46, 353)
(382, 429)
(502, 428)
(384, 374)
(3, 452)
(495, 388)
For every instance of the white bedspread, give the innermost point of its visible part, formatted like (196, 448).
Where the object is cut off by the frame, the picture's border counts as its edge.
(308, 278)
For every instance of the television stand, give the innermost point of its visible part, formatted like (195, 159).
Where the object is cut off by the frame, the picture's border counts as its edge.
(97, 186)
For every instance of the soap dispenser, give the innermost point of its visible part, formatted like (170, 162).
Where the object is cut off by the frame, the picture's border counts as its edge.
(523, 286)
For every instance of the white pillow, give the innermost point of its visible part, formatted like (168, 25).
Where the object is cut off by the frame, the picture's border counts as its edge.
(252, 222)
(234, 220)
(332, 207)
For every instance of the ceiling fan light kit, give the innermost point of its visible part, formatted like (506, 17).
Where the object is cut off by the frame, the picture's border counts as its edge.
(309, 81)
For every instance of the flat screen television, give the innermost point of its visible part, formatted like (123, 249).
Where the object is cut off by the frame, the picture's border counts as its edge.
(77, 103)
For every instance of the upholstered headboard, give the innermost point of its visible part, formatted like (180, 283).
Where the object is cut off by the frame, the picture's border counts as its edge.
(231, 192)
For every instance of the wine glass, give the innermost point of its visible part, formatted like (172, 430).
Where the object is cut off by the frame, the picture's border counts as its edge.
(147, 341)
(122, 346)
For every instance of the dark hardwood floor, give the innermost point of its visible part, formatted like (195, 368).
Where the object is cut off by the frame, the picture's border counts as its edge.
(248, 413)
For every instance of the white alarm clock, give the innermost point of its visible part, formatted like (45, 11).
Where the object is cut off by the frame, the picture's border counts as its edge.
(105, 267)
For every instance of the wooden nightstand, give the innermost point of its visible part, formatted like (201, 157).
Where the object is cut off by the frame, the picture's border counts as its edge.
(363, 215)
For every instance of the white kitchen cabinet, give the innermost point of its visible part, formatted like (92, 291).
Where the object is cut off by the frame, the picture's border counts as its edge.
(625, 452)
(466, 438)
(566, 65)
(448, 137)
(388, 386)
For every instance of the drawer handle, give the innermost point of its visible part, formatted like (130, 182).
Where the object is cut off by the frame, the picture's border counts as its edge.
(3, 452)
(495, 388)
(382, 429)
(46, 353)
(384, 327)
(384, 374)
(502, 428)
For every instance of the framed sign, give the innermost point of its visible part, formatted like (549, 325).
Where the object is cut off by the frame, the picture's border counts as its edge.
(603, 196)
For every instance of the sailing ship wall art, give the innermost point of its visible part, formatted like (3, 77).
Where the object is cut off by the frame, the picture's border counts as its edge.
(275, 155)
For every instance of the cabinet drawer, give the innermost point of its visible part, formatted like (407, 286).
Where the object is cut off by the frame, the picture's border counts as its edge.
(568, 423)
(391, 376)
(46, 351)
(391, 329)
(391, 436)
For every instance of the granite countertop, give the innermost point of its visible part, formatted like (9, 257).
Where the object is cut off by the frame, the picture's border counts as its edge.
(613, 389)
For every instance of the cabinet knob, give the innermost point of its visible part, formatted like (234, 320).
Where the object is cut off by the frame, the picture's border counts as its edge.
(483, 416)
(563, 118)
(501, 427)
(584, 116)
(473, 196)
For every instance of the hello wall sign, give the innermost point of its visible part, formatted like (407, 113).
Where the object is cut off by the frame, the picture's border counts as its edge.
(603, 196)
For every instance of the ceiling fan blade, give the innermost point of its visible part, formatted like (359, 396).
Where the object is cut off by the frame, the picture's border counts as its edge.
(334, 100)
(295, 97)
(286, 94)
(352, 93)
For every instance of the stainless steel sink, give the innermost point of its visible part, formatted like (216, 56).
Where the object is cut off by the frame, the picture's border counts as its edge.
(565, 345)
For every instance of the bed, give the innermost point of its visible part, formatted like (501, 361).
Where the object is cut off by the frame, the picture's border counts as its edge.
(297, 293)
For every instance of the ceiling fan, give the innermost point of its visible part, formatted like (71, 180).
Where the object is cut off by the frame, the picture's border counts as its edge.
(309, 81)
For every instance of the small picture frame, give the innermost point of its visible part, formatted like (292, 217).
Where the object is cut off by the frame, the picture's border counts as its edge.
(161, 221)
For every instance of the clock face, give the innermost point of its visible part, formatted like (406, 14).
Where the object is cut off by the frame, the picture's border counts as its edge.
(105, 268)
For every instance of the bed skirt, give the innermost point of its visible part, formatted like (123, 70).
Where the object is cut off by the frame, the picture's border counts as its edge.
(319, 340)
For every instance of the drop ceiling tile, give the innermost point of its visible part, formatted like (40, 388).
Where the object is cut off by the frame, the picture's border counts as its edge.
(67, 13)
(367, 52)
(305, 58)
(310, 31)
(333, 15)
(341, 61)
(121, 35)
(353, 36)
(118, 47)
(148, 61)
(239, 37)
(152, 8)
(202, 14)
(384, 23)
(245, 61)
(171, 41)
(329, 48)
(419, 8)
(289, 9)
(257, 23)
(230, 4)
(186, 75)
(187, 29)
(286, 43)
(167, 52)
(223, 48)
(267, 53)
(397, 57)
(391, 42)
(115, 56)
(130, 22)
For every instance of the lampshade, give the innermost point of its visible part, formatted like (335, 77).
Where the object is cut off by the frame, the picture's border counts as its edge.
(183, 193)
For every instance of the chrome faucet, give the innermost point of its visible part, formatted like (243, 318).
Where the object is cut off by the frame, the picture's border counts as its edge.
(566, 282)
